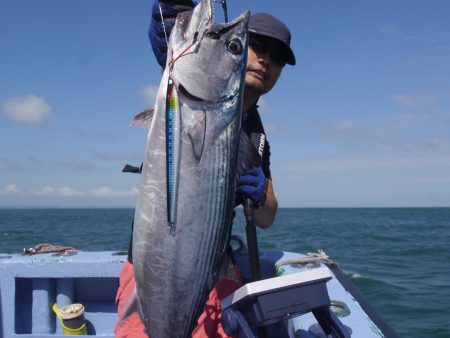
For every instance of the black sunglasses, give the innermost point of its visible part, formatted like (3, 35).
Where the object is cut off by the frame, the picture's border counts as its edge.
(265, 44)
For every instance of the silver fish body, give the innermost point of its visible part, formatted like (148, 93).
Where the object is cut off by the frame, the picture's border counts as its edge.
(175, 271)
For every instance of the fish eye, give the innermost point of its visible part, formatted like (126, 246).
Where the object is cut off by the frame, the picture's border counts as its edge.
(235, 46)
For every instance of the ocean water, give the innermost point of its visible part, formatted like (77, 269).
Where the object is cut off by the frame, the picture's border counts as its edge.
(398, 257)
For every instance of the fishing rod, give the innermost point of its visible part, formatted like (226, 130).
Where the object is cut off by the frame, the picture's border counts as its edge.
(224, 7)
(250, 229)
(253, 251)
(252, 240)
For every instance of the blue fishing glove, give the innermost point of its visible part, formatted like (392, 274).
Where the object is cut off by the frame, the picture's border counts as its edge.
(252, 184)
(169, 10)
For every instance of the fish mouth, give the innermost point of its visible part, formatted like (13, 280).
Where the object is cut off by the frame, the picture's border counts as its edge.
(183, 91)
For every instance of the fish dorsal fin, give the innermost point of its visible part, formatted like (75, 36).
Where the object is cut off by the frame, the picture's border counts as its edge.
(143, 119)
(248, 155)
(195, 126)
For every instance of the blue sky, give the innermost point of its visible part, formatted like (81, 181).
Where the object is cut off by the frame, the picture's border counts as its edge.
(363, 119)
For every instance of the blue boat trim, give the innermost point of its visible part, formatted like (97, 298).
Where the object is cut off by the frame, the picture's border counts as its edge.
(368, 309)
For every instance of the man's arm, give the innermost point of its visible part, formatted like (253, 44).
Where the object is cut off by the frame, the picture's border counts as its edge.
(264, 216)
(254, 185)
(163, 17)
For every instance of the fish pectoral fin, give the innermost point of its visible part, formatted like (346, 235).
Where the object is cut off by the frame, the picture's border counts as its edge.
(196, 131)
(143, 119)
(131, 307)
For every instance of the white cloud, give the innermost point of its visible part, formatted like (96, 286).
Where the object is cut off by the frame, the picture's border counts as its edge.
(102, 191)
(433, 143)
(27, 109)
(342, 126)
(66, 191)
(12, 189)
(50, 191)
(401, 120)
(401, 134)
(69, 192)
(372, 163)
(350, 132)
(47, 190)
(363, 181)
(422, 99)
(66, 196)
(148, 94)
(107, 192)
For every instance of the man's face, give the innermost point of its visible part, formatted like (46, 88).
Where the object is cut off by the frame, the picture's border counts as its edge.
(264, 64)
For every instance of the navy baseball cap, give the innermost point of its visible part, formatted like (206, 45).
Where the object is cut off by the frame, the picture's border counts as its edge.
(267, 25)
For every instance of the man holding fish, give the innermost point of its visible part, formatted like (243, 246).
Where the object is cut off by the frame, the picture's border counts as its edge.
(269, 50)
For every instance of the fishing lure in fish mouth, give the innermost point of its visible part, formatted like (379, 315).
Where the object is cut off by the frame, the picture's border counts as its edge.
(173, 136)
(173, 142)
(173, 132)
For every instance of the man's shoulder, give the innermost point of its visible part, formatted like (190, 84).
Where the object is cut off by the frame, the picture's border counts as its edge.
(252, 121)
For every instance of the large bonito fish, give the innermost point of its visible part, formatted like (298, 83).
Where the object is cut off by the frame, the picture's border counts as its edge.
(184, 211)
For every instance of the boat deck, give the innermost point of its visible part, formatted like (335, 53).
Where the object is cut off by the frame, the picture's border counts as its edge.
(30, 285)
